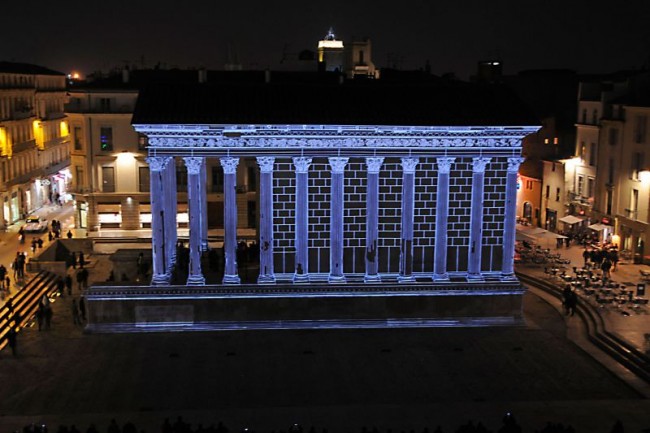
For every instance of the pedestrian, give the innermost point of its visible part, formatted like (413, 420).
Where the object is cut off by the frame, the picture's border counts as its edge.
(48, 316)
(585, 256)
(75, 313)
(8, 284)
(82, 308)
(40, 242)
(60, 286)
(84, 278)
(73, 260)
(82, 259)
(3, 274)
(80, 279)
(12, 340)
(40, 315)
(68, 283)
(572, 303)
(50, 236)
(566, 296)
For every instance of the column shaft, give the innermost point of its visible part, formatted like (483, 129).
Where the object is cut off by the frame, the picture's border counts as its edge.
(160, 274)
(442, 214)
(266, 275)
(195, 277)
(408, 208)
(302, 215)
(372, 219)
(336, 220)
(231, 273)
(476, 219)
(204, 207)
(174, 207)
(509, 224)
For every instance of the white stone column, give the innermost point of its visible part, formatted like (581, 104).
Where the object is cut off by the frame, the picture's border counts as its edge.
(169, 176)
(204, 206)
(302, 215)
(476, 219)
(442, 214)
(373, 165)
(231, 273)
(160, 276)
(509, 224)
(193, 163)
(267, 275)
(174, 207)
(408, 214)
(337, 169)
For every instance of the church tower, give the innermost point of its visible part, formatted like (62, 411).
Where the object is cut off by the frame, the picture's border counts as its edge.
(330, 53)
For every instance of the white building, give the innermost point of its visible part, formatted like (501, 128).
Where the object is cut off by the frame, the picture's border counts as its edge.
(34, 139)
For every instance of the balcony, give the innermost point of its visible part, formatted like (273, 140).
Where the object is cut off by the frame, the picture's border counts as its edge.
(632, 214)
(24, 146)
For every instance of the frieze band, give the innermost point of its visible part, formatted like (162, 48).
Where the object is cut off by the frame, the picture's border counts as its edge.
(292, 143)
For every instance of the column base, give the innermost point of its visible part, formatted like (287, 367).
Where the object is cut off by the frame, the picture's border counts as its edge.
(508, 277)
(300, 278)
(475, 277)
(440, 277)
(372, 279)
(406, 279)
(160, 280)
(231, 279)
(266, 279)
(195, 280)
(336, 279)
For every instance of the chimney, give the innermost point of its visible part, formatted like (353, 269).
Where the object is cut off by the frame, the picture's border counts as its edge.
(125, 75)
(267, 76)
(203, 75)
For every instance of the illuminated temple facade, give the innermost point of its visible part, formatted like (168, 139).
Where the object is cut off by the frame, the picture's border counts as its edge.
(357, 183)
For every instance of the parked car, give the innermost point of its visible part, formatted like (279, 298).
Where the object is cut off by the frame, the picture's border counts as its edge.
(34, 224)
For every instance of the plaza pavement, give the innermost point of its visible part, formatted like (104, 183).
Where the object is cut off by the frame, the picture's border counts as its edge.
(339, 380)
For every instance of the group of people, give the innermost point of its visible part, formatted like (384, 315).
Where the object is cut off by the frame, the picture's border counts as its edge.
(606, 259)
(509, 425)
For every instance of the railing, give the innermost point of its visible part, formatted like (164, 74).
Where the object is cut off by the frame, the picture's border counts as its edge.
(25, 303)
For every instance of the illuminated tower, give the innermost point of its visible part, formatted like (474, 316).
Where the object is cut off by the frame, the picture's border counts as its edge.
(330, 53)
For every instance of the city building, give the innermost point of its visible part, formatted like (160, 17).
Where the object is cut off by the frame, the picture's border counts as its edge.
(34, 139)
(622, 196)
(331, 53)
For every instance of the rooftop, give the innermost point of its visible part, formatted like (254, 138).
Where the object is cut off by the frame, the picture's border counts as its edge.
(26, 68)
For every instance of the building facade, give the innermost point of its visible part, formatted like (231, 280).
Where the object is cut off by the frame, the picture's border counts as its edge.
(338, 202)
(34, 139)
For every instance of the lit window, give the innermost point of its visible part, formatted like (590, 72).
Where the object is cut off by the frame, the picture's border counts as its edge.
(106, 138)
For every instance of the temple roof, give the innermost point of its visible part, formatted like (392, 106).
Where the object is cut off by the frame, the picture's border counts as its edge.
(366, 102)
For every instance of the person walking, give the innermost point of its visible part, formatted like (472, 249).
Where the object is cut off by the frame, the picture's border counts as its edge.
(48, 316)
(60, 285)
(3, 274)
(80, 279)
(75, 313)
(82, 308)
(12, 340)
(82, 259)
(68, 283)
(84, 278)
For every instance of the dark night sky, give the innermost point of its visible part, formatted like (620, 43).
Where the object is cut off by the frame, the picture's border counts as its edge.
(587, 36)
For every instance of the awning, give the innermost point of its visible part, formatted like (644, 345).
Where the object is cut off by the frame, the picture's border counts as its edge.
(599, 227)
(570, 219)
(545, 234)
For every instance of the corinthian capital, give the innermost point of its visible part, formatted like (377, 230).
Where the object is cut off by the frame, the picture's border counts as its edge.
(480, 164)
(193, 164)
(338, 164)
(229, 164)
(266, 163)
(158, 163)
(302, 164)
(409, 164)
(374, 164)
(514, 163)
(444, 164)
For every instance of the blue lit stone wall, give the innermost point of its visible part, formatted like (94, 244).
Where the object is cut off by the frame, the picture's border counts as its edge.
(390, 196)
